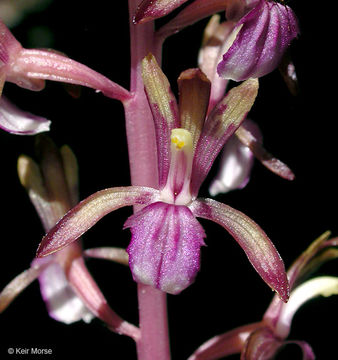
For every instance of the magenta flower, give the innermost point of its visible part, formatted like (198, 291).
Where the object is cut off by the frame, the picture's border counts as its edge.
(164, 251)
(258, 32)
(262, 340)
(247, 143)
(69, 291)
(260, 38)
(29, 68)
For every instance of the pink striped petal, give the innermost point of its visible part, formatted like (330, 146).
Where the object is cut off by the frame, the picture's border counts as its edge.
(220, 125)
(89, 211)
(258, 247)
(262, 344)
(229, 343)
(164, 251)
(245, 135)
(263, 35)
(49, 65)
(16, 121)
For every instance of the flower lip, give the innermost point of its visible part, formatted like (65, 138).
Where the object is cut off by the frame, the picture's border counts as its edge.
(165, 248)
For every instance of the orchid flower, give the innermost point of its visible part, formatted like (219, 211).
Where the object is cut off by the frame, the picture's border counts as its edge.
(262, 340)
(164, 251)
(247, 142)
(69, 291)
(258, 32)
(29, 68)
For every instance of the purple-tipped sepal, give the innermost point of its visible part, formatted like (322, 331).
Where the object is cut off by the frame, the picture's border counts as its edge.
(164, 251)
(261, 37)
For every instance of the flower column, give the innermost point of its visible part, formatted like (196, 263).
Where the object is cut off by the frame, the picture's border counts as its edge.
(154, 341)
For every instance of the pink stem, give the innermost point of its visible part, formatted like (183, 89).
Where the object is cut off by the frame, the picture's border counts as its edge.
(139, 122)
(154, 340)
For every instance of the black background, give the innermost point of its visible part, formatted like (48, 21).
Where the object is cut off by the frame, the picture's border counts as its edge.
(301, 131)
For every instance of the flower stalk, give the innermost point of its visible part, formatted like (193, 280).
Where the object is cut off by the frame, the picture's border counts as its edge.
(152, 303)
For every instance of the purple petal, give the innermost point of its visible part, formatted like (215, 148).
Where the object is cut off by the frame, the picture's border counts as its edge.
(263, 36)
(232, 342)
(258, 247)
(19, 122)
(264, 345)
(164, 251)
(261, 345)
(223, 121)
(62, 303)
(164, 109)
(89, 211)
(235, 166)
